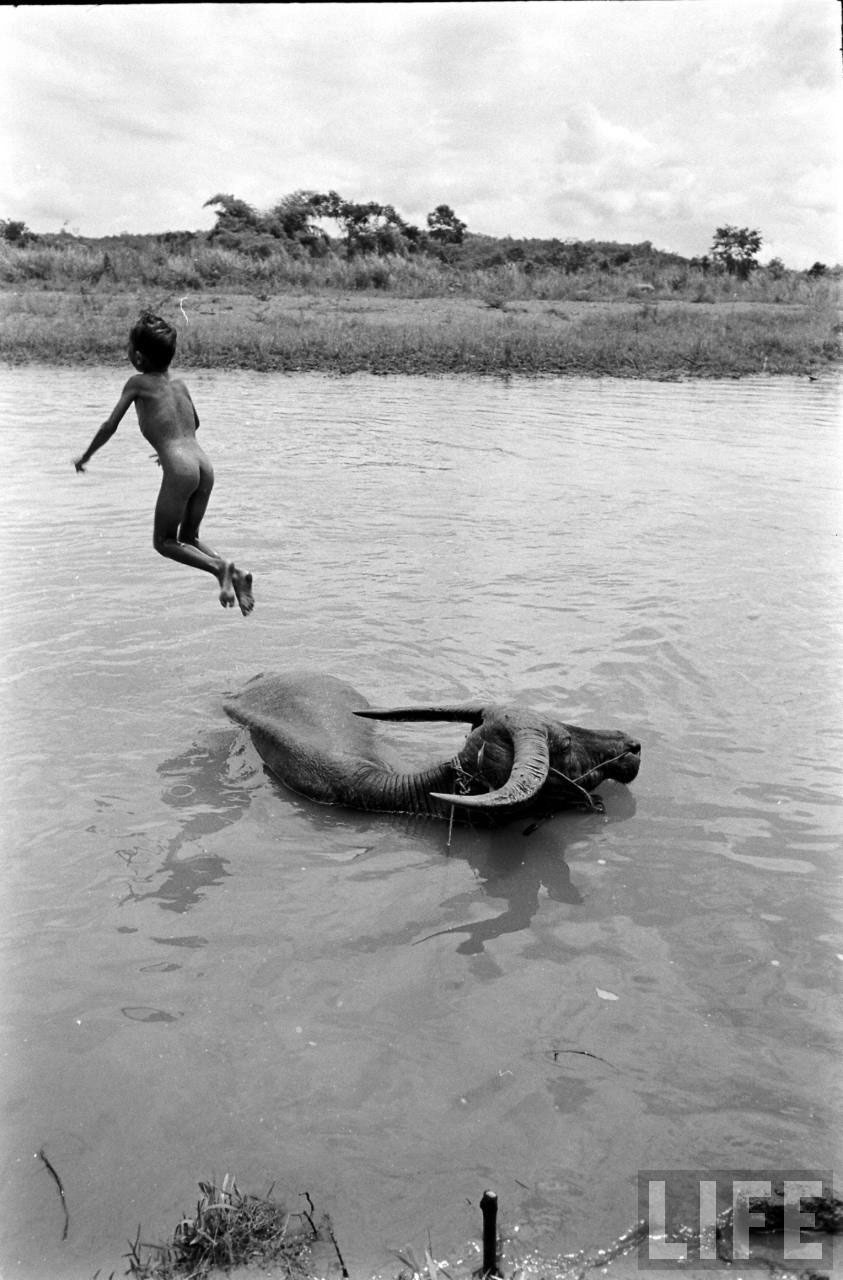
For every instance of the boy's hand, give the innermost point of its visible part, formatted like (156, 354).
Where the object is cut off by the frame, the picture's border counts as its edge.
(79, 464)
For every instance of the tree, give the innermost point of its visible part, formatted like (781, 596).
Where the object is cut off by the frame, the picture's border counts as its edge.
(817, 271)
(360, 222)
(444, 225)
(291, 218)
(232, 214)
(736, 248)
(15, 232)
(367, 226)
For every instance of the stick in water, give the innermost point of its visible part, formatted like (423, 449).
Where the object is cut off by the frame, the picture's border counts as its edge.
(57, 1181)
(489, 1209)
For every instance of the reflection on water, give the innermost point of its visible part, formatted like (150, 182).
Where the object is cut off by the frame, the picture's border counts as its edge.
(506, 870)
(353, 1004)
(186, 880)
(204, 784)
(519, 876)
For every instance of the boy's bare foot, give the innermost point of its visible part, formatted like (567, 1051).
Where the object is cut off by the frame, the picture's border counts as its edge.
(242, 583)
(227, 596)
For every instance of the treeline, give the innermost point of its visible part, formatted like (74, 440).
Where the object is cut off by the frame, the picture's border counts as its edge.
(312, 226)
(370, 229)
(312, 242)
(295, 224)
(294, 229)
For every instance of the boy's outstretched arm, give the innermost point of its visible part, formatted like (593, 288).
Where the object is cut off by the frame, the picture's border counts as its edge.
(108, 428)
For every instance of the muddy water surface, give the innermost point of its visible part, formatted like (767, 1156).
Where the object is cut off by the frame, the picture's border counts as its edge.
(203, 974)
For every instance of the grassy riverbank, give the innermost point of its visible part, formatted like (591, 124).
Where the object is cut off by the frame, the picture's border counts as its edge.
(372, 331)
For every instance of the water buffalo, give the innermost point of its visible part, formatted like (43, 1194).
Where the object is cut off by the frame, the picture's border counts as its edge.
(314, 733)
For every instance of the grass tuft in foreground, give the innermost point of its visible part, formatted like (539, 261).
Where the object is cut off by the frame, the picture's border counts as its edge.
(229, 1229)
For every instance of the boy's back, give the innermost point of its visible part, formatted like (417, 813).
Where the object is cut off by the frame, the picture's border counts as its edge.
(166, 414)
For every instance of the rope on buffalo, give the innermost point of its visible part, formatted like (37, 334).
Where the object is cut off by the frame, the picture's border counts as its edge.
(576, 781)
(462, 785)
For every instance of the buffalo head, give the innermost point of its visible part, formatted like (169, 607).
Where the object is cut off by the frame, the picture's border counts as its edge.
(516, 760)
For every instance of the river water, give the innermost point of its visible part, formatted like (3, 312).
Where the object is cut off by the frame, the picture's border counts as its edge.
(204, 974)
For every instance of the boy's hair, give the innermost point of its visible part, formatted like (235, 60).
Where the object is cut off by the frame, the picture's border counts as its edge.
(154, 338)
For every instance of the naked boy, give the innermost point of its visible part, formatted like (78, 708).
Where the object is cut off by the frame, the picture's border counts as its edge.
(168, 420)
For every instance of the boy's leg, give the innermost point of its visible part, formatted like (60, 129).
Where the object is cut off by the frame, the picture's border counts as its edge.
(174, 499)
(197, 505)
(195, 508)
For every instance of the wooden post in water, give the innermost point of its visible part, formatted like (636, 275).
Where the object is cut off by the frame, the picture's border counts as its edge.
(489, 1209)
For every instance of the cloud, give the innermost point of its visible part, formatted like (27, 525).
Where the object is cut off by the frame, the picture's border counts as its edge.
(655, 120)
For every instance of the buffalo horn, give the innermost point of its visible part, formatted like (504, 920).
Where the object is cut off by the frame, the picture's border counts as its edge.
(531, 761)
(469, 713)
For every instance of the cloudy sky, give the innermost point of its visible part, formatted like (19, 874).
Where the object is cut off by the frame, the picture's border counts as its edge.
(622, 120)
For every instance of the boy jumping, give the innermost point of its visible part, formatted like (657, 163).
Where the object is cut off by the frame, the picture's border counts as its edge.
(169, 421)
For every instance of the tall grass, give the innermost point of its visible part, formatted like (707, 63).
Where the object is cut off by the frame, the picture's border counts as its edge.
(199, 266)
(381, 334)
